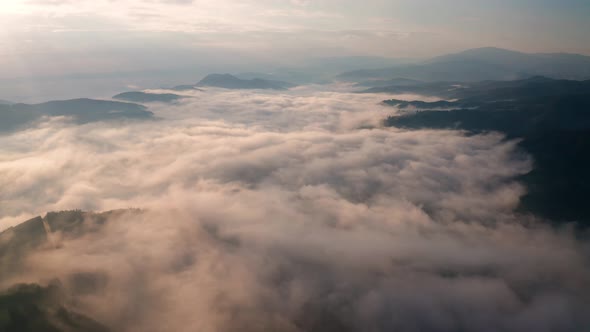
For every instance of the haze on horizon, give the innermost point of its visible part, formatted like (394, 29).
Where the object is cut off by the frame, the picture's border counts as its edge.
(46, 44)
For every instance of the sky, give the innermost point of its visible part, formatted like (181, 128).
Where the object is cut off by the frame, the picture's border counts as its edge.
(178, 39)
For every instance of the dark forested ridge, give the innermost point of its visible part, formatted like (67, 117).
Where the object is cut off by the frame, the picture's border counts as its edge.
(35, 307)
(15, 116)
(552, 119)
(491, 91)
(16, 242)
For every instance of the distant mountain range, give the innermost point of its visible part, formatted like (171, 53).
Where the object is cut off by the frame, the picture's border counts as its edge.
(15, 116)
(323, 69)
(185, 87)
(228, 81)
(550, 117)
(392, 82)
(482, 64)
(144, 97)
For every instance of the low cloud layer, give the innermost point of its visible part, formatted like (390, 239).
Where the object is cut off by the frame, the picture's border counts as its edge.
(274, 141)
(278, 211)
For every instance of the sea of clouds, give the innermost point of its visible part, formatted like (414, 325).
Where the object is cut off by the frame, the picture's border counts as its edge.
(295, 211)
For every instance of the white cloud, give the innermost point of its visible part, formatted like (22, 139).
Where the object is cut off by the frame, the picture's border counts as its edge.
(273, 211)
(287, 141)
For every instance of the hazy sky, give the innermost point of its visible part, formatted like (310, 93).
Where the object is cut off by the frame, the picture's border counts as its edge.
(85, 37)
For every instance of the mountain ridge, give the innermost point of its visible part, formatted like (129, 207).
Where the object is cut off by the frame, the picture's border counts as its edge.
(81, 110)
(487, 63)
(145, 97)
(549, 118)
(229, 81)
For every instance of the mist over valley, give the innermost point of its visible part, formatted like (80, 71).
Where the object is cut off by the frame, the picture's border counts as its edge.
(297, 166)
